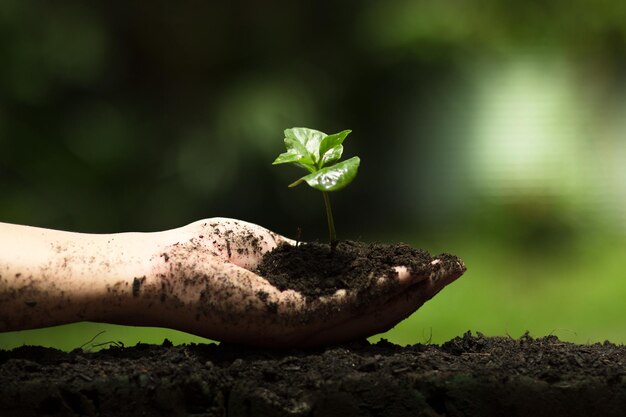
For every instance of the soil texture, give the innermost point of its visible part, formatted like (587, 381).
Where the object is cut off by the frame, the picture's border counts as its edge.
(471, 375)
(314, 271)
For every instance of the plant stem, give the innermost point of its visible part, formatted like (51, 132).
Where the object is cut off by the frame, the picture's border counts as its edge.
(331, 223)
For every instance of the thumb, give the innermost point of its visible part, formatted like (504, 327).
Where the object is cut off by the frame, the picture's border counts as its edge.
(239, 242)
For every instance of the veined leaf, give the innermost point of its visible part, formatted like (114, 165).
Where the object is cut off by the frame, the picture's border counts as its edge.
(298, 148)
(332, 155)
(333, 178)
(291, 157)
(309, 139)
(332, 141)
(287, 158)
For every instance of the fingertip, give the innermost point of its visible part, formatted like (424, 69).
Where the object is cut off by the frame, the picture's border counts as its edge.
(446, 269)
(404, 276)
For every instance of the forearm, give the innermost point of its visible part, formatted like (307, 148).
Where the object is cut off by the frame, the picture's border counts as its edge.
(50, 277)
(195, 278)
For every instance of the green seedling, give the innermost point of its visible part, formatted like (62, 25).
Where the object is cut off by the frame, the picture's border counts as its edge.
(318, 153)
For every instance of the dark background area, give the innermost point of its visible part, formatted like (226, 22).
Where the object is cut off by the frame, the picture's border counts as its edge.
(491, 129)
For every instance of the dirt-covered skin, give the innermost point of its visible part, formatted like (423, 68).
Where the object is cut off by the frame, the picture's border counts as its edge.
(467, 376)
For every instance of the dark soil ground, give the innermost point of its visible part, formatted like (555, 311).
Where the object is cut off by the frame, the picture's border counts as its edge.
(467, 376)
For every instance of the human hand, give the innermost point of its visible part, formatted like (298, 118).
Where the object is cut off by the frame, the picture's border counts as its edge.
(202, 282)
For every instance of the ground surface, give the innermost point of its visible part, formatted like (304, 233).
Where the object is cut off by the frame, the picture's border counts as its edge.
(467, 376)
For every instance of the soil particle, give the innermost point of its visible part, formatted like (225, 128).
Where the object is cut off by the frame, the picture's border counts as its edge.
(311, 269)
(137, 282)
(472, 375)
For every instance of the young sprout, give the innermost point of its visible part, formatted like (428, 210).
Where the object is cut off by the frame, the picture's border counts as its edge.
(318, 153)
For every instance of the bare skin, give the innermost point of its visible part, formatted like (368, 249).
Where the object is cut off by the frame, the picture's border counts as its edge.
(196, 278)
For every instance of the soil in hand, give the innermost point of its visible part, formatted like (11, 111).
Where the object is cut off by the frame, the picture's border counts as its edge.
(312, 270)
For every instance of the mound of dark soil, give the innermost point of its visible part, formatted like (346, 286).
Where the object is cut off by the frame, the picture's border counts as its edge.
(467, 376)
(313, 270)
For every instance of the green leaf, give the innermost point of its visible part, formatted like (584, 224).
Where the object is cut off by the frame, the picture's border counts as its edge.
(293, 145)
(296, 154)
(333, 178)
(287, 158)
(291, 157)
(332, 155)
(331, 148)
(298, 148)
(306, 140)
(332, 141)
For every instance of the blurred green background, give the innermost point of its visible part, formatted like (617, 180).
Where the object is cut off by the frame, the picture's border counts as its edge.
(494, 130)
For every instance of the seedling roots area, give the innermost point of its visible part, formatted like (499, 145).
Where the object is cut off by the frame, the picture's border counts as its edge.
(471, 375)
(314, 270)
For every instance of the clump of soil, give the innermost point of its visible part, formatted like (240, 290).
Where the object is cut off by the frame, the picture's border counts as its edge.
(472, 375)
(313, 270)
